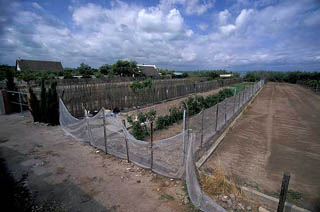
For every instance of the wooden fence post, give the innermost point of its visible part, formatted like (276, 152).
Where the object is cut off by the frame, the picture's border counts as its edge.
(151, 144)
(125, 138)
(283, 193)
(104, 131)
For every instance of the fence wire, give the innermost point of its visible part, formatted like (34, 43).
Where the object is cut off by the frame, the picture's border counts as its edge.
(173, 157)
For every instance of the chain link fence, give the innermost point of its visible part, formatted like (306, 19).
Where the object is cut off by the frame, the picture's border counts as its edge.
(173, 157)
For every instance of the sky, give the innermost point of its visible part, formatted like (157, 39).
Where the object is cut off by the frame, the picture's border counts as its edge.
(237, 35)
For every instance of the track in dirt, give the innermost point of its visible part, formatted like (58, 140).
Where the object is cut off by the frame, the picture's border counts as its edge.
(279, 132)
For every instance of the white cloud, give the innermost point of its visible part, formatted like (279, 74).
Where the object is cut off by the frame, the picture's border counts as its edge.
(191, 7)
(36, 5)
(203, 26)
(244, 17)
(248, 37)
(224, 17)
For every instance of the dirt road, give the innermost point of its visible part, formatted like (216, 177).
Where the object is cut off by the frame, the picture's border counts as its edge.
(77, 176)
(279, 132)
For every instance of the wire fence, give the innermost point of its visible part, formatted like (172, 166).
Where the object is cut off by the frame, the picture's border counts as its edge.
(173, 157)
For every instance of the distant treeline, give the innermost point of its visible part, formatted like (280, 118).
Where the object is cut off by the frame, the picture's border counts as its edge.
(290, 76)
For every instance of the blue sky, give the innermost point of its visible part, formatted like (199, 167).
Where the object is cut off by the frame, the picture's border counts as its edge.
(180, 34)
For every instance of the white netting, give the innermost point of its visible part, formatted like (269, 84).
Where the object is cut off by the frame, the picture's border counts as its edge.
(172, 157)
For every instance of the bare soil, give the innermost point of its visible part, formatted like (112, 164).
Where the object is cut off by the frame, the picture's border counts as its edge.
(78, 177)
(279, 132)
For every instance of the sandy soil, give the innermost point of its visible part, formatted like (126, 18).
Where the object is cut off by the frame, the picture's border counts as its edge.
(279, 132)
(79, 177)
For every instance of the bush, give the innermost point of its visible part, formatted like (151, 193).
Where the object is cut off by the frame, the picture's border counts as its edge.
(34, 106)
(139, 127)
(137, 85)
(47, 109)
(163, 122)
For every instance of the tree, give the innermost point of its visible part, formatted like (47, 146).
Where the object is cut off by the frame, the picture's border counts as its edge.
(10, 80)
(34, 106)
(53, 105)
(85, 69)
(125, 68)
(43, 102)
(105, 69)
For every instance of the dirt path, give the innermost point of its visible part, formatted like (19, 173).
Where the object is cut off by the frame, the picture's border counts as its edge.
(279, 132)
(79, 177)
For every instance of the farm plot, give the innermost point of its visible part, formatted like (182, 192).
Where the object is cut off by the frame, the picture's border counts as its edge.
(163, 109)
(279, 132)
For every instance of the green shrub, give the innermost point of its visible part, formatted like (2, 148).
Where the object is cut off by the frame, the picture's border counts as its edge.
(34, 106)
(139, 128)
(163, 122)
(137, 85)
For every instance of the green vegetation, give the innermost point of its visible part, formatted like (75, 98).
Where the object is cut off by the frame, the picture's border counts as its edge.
(47, 109)
(139, 127)
(241, 86)
(137, 85)
(290, 77)
(291, 195)
(194, 104)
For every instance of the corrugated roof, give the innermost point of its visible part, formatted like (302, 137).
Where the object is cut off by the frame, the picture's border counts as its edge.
(37, 65)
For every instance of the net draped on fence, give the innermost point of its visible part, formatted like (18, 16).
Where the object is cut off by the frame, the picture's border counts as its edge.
(173, 157)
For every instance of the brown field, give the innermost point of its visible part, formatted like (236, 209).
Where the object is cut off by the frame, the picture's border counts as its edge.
(279, 132)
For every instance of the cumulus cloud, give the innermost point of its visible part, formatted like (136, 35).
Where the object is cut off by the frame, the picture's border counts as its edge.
(224, 16)
(191, 7)
(251, 37)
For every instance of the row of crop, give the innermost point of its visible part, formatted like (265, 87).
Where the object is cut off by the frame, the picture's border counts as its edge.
(194, 104)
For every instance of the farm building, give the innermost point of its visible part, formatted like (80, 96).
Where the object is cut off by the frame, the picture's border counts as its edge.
(38, 66)
(149, 71)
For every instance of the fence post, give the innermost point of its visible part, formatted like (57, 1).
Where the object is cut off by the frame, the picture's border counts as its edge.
(225, 111)
(151, 144)
(20, 102)
(252, 91)
(88, 126)
(283, 193)
(184, 135)
(201, 141)
(126, 140)
(217, 112)
(104, 131)
(234, 105)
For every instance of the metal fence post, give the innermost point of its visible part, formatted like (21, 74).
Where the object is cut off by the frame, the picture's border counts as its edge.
(201, 141)
(126, 140)
(20, 103)
(217, 113)
(183, 136)
(225, 111)
(283, 193)
(234, 104)
(104, 131)
(151, 145)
